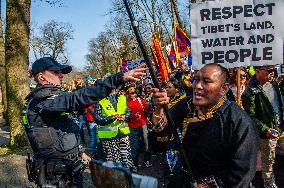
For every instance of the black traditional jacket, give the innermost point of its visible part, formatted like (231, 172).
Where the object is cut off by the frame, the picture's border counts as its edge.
(224, 145)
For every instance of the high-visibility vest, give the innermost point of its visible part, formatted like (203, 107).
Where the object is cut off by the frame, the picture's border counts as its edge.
(112, 129)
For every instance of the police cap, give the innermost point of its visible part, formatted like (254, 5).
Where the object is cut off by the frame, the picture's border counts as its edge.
(48, 63)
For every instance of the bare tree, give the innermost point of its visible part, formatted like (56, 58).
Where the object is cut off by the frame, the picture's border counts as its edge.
(154, 16)
(52, 41)
(53, 2)
(99, 56)
(177, 14)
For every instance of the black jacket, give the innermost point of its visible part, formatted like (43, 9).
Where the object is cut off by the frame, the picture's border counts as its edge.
(224, 146)
(51, 131)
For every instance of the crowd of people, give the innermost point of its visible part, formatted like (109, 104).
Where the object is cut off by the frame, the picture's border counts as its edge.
(222, 139)
(261, 99)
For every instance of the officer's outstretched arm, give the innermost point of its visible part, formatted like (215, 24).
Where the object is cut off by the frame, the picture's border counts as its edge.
(88, 95)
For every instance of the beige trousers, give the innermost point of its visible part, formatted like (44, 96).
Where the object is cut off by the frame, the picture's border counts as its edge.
(267, 147)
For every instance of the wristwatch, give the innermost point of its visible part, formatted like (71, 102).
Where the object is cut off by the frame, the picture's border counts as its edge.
(81, 149)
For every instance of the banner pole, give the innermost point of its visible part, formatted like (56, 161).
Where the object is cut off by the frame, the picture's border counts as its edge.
(238, 86)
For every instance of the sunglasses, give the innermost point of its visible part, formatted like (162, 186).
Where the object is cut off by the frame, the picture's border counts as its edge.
(131, 93)
(268, 70)
(243, 75)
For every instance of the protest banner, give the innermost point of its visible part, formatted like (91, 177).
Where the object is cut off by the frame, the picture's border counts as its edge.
(237, 33)
(136, 63)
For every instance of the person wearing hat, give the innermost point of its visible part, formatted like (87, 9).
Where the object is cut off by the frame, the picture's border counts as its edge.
(90, 80)
(50, 130)
(262, 101)
(89, 117)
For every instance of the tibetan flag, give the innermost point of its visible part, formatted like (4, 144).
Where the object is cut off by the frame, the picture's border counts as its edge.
(123, 65)
(172, 58)
(160, 58)
(183, 42)
(172, 55)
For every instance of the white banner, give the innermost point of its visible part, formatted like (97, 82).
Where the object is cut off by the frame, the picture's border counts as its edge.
(236, 33)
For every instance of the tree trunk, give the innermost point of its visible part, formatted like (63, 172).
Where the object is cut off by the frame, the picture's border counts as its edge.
(16, 56)
(176, 11)
(2, 69)
(2, 72)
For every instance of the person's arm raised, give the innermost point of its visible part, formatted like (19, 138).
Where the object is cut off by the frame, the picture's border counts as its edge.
(135, 74)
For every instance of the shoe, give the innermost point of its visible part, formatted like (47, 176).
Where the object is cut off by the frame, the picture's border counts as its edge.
(147, 164)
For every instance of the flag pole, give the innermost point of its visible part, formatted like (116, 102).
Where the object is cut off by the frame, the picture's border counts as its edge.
(119, 64)
(171, 124)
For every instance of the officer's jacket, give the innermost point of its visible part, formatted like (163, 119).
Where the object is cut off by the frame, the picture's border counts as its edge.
(49, 128)
(256, 103)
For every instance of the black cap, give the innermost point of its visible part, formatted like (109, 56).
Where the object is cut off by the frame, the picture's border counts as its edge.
(262, 67)
(48, 63)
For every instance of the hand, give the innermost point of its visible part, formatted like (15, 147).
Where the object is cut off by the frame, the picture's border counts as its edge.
(115, 117)
(137, 115)
(160, 98)
(135, 74)
(85, 157)
(270, 135)
(121, 118)
(200, 185)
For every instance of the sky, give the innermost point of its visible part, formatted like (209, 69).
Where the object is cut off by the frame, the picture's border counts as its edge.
(87, 18)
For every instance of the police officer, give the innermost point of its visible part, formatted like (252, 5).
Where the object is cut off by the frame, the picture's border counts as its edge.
(50, 129)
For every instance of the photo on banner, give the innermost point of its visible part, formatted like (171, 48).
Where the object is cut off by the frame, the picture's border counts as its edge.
(237, 33)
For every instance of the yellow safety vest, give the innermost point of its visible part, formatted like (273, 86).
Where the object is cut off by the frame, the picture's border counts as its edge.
(112, 129)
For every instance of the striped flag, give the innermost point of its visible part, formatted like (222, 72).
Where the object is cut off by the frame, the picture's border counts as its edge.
(123, 65)
(183, 42)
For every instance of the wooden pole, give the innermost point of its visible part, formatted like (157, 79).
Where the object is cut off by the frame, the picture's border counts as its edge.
(238, 86)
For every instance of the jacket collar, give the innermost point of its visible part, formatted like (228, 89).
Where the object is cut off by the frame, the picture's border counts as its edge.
(43, 91)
